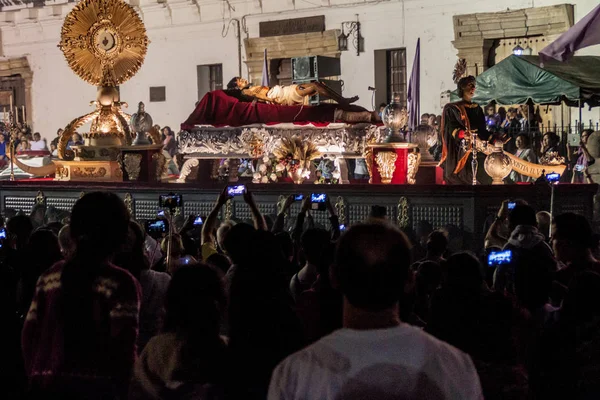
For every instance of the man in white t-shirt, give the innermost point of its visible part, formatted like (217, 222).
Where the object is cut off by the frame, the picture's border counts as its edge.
(37, 144)
(375, 355)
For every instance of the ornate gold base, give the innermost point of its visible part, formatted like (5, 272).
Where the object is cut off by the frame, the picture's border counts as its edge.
(96, 153)
(88, 171)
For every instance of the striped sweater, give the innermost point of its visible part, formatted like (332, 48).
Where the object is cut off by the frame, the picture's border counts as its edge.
(116, 304)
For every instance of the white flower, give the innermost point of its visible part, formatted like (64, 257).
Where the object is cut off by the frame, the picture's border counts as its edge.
(336, 174)
(273, 177)
(264, 179)
(279, 167)
(266, 159)
(256, 175)
(262, 168)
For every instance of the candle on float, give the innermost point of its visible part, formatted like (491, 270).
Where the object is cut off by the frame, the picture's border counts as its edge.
(9, 110)
(16, 117)
(23, 110)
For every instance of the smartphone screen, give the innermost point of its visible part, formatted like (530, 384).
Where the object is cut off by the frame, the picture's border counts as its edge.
(237, 190)
(198, 221)
(298, 197)
(555, 177)
(511, 205)
(170, 200)
(156, 226)
(318, 198)
(496, 258)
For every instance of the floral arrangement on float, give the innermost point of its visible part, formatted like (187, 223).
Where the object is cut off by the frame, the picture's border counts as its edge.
(327, 171)
(266, 172)
(294, 157)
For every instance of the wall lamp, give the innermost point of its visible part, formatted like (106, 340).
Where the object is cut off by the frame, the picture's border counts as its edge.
(353, 29)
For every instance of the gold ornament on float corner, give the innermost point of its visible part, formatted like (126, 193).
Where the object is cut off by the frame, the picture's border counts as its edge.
(386, 163)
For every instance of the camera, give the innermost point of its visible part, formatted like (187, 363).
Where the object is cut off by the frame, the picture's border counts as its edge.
(553, 178)
(170, 201)
(156, 227)
(511, 205)
(298, 197)
(198, 221)
(496, 258)
(318, 201)
(237, 190)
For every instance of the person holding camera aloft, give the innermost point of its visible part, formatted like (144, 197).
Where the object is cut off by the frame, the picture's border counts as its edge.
(526, 244)
(583, 160)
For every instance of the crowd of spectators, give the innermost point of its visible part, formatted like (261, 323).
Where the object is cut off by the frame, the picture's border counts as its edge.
(92, 308)
(28, 143)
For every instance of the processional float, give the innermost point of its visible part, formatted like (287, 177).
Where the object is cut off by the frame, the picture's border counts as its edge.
(104, 43)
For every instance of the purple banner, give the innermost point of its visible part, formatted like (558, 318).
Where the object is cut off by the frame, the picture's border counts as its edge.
(583, 34)
(414, 91)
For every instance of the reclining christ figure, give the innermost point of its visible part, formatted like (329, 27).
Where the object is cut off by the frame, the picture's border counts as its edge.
(290, 95)
(299, 95)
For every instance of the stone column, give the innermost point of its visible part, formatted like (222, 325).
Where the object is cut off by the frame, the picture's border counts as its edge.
(28, 78)
(476, 51)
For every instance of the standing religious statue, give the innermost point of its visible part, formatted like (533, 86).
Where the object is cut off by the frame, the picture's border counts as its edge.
(141, 124)
(463, 121)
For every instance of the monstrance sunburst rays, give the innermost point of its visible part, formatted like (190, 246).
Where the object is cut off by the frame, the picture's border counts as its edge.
(104, 41)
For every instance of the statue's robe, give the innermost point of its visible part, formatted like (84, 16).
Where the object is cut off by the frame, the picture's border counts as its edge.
(457, 119)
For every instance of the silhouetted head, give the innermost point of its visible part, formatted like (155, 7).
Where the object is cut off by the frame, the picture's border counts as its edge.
(195, 301)
(314, 242)
(20, 228)
(572, 236)
(521, 215)
(437, 243)
(372, 265)
(99, 224)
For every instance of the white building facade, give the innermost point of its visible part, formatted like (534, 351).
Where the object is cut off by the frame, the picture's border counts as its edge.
(199, 45)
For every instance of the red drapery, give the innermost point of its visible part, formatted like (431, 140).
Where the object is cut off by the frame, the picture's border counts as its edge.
(219, 109)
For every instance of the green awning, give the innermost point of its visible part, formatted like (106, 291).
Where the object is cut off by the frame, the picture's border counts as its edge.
(519, 79)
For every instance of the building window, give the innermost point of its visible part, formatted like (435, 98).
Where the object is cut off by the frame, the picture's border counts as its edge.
(210, 78)
(158, 93)
(216, 77)
(396, 71)
(390, 75)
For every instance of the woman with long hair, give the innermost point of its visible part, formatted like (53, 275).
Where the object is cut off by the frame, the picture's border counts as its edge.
(525, 153)
(79, 336)
(189, 359)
